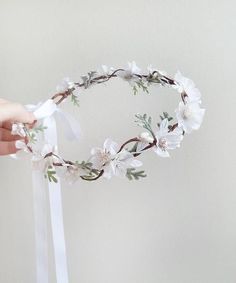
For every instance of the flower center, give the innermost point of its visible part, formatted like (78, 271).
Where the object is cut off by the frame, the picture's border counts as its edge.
(104, 157)
(162, 143)
(187, 113)
(128, 76)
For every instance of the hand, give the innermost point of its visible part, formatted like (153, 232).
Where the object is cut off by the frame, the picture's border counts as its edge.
(9, 113)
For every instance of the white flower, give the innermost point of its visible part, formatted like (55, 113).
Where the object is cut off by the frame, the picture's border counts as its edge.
(119, 165)
(145, 139)
(21, 145)
(130, 73)
(39, 162)
(112, 162)
(107, 71)
(189, 116)
(70, 173)
(18, 129)
(185, 85)
(65, 85)
(23, 150)
(167, 140)
(102, 156)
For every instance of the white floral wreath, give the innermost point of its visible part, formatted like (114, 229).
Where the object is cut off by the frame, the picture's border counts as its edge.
(112, 159)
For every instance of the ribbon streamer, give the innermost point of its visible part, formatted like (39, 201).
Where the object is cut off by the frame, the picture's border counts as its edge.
(41, 233)
(50, 135)
(45, 113)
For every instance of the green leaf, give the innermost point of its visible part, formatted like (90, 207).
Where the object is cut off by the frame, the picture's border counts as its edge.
(39, 128)
(51, 175)
(135, 90)
(143, 85)
(132, 174)
(145, 122)
(32, 133)
(150, 120)
(166, 116)
(75, 100)
(88, 166)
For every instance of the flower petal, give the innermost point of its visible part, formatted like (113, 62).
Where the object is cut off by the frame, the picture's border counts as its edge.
(160, 152)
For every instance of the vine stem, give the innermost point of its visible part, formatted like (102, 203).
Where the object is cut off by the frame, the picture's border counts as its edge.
(146, 148)
(93, 179)
(102, 79)
(127, 142)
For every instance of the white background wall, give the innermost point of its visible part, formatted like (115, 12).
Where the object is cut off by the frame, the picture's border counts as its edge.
(179, 224)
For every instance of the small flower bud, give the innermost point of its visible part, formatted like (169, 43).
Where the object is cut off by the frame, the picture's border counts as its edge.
(146, 137)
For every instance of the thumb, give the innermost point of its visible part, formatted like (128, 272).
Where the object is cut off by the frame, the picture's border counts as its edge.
(15, 112)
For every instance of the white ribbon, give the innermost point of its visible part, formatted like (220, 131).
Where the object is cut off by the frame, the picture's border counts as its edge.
(41, 233)
(50, 135)
(45, 112)
(69, 123)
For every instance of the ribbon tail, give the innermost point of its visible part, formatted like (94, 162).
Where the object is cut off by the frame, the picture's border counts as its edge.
(44, 113)
(41, 233)
(50, 135)
(58, 232)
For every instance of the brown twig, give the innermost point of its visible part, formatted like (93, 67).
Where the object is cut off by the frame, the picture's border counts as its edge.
(93, 179)
(127, 142)
(99, 80)
(61, 96)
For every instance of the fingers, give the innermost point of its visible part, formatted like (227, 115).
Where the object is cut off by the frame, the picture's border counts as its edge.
(5, 135)
(7, 147)
(7, 142)
(14, 112)
(10, 113)
(21, 114)
(8, 125)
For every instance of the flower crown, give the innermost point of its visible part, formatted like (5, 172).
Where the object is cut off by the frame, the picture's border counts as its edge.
(113, 159)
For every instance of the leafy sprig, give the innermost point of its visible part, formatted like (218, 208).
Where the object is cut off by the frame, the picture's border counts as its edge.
(145, 122)
(32, 133)
(166, 116)
(74, 100)
(140, 85)
(133, 174)
(88, 166)
(51, 175)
